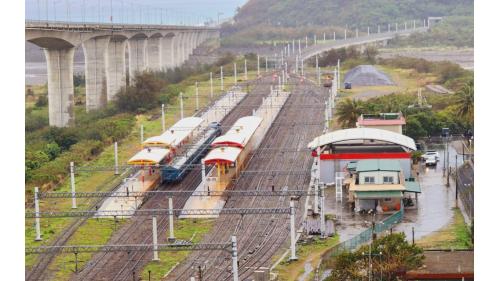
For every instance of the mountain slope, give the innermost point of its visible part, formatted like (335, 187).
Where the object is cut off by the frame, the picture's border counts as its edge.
(272, 19)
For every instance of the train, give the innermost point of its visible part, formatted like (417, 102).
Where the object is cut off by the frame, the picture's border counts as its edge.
(230, 152)
(167, 158)
(183, 163)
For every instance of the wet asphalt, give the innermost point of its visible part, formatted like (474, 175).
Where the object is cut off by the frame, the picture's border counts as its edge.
(433, 211)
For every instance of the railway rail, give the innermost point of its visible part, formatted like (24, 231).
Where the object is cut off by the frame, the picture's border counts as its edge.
(260, 238)
(121, 266)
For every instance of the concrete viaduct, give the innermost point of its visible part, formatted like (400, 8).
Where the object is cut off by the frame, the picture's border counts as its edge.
(150, 47)
(382, 37)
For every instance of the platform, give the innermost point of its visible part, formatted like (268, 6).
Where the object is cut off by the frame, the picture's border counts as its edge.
(268, 110)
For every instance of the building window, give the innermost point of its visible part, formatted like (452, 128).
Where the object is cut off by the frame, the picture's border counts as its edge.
(387, 199)
(369, 179)
(388, 180)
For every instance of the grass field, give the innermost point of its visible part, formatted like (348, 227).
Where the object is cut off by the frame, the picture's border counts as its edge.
(309, 256)
(105, 180)
(456, 235)
(185, 229)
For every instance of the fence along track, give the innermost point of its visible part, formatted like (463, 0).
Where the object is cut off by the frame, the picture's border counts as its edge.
(119, 266)
(260, 237)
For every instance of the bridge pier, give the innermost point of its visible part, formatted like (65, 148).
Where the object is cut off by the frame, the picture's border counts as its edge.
(116, 68)
(154, 53)
(167, 55)
(178, 49)
(95, 72)
(60, 85)
(137, 56)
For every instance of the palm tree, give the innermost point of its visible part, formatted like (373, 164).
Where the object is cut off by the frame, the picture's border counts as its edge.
(465, 102)
(348, 111)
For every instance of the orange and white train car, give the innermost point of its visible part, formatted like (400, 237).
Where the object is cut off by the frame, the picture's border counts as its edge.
(160, 150)
(230, 152)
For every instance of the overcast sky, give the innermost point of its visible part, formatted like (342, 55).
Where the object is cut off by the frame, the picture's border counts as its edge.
(171, 11)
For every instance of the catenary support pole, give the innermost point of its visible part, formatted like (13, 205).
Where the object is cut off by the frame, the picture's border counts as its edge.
(302, 67)
(235, 74)
(203, 175)
(345, 34)
(322, 210)
(211, 86)
(334, 36)
(72, 180)
(171, 236)
(221, 79)
(234, 255)
(116, 159)
(197, 96)
(293, 255)
(181, 100)
(266, 64)
(258, 66)
(246, 72)
(316, 193)
(163, 117)
(155, 240)
(37, 216)
(338, 73)
(142, 133)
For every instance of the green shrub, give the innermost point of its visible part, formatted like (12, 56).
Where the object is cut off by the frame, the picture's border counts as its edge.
(144, 93)
(42, 101)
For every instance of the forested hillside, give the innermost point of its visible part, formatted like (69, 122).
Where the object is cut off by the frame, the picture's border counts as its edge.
(277, 19)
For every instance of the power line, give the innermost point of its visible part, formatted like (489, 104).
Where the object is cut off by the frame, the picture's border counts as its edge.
(172, 193)
(128, 248)
(157, 212)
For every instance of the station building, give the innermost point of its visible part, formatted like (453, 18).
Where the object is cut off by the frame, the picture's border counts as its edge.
(338, 148)
(378, 184)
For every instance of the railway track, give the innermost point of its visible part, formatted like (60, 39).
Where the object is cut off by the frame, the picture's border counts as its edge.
(261, 237)
(125, 266)
(40, 271)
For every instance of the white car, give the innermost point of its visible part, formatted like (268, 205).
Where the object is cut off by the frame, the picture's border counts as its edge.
(431, 154)
(431, 161)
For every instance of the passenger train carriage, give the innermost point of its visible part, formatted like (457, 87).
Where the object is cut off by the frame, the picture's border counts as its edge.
(230, 152)
(166, 158)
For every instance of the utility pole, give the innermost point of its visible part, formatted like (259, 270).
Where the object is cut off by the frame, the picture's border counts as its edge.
(142, 133)
(235, 74)
(197, 93)
(221, 79)
(234, 255)
(163, 117)
(155, 240)
(211, 86)
(171, 236)
(37, 216)
(116, 159)
(266, 63)
(72, 180)
(182, 105)
(246, 73)
(258, 66)
(293, 255)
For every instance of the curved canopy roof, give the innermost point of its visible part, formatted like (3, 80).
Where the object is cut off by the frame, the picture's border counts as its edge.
(225, 155)
(172, 137)
(149, 156)
(240, 133)
(359, 135)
